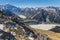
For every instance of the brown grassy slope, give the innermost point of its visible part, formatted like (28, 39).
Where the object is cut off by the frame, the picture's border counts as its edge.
(52, 35)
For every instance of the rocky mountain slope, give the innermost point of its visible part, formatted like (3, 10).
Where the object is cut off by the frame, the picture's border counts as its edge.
(13, 25)
(56, 29)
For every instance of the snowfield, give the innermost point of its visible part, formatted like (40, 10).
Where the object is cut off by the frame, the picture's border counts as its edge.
(1, 26)
(44, 26)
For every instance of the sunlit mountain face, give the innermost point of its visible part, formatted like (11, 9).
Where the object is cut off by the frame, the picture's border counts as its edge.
(41, 15)
(9, 9)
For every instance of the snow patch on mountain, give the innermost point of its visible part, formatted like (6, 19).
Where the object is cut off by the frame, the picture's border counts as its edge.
(22, 16)
(1, 26)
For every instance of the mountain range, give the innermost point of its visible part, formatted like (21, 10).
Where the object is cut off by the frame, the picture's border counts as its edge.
(40, 14)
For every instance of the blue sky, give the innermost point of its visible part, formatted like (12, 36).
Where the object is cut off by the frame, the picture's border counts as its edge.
(31, 3)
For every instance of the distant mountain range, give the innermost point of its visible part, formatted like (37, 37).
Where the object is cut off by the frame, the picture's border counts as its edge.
(46, 14)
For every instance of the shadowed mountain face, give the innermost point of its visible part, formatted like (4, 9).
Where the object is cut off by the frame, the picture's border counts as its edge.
(47, 14)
